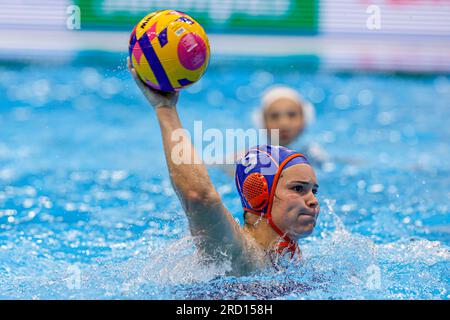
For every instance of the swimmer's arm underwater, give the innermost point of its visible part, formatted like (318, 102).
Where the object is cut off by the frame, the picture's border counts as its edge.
(217, 233)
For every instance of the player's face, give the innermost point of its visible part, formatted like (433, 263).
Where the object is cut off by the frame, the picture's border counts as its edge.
(287, 116)
(295, 207)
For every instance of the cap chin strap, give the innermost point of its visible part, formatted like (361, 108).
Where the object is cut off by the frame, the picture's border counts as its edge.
(288, 245)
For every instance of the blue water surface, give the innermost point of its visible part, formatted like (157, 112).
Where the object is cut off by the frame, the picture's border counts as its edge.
(87, 210)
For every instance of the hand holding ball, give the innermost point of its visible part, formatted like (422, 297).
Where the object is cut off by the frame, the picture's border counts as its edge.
(169, 50)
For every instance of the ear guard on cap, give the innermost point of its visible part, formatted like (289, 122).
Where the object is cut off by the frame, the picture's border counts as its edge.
(256, 191)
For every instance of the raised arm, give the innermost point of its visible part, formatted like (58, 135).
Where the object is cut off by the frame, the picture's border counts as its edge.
(217, 233)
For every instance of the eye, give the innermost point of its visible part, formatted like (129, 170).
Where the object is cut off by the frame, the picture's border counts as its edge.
(299, 188)
(274, 116)
(292, 114)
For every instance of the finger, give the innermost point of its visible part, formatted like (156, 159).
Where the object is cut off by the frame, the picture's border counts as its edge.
(136, 77)
(172, 94)
(133, 72)
(141, 84)
(129, 64)
(154, 91)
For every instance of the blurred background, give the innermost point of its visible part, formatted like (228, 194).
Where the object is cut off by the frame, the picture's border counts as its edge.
(404, 35)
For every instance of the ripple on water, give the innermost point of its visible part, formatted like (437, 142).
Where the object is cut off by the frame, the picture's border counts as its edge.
(87, 210)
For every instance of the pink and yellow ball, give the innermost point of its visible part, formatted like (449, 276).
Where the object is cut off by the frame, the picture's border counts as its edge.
(169, 50)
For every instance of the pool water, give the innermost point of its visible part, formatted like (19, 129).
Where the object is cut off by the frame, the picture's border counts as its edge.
(87, 210)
